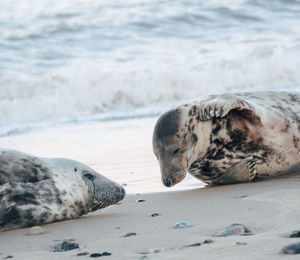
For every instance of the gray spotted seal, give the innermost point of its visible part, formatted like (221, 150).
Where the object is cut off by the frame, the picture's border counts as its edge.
(230, 138)
(35, 191)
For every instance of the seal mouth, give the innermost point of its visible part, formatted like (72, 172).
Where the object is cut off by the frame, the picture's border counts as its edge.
(169, 181)
(112, 196)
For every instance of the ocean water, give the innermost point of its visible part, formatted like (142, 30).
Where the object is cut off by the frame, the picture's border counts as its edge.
(69, 63)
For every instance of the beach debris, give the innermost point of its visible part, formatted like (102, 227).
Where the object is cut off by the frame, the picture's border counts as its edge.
(295, 234)
(130, 234)
(155, 215)
(292, 249)
(234, 229)
(241, 243)
(66, 245)
(100, 254)
(152, 250)
(193, 245)
(182, 224)
(140, 200)
(36, 230)
(82, 253)
(206, 241)
(240, 197)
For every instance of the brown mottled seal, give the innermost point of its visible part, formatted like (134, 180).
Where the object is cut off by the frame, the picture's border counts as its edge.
(230, 138)
(35, 191)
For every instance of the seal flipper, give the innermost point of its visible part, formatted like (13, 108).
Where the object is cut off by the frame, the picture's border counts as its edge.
(220, 106)
(242, 171)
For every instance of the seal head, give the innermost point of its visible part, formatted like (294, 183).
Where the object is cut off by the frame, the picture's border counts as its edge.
(173, 144)
(97, 190)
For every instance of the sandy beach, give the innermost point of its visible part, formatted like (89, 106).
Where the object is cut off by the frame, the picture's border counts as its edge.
(270, 209)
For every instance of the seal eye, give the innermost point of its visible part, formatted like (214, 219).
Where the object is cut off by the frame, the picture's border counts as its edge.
(177, 151)
(89, 176)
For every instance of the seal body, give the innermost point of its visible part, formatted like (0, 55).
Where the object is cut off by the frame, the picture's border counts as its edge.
(35, 191)
(230, 138)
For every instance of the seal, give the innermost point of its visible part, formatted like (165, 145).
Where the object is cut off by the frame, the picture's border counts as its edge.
(36, 191)
(230, 138)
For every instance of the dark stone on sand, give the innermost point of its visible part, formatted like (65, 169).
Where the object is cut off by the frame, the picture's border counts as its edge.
(292, 249)
(130, 234)
(82, 253)
(208, 241)
(95, 255)
(65, 246)
(99, 254)
(155, 215)
(240, 197)
(295, 234)
(194, 245)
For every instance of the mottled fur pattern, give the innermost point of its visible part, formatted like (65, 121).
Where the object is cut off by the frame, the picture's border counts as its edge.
(224, 138)
(35, 191)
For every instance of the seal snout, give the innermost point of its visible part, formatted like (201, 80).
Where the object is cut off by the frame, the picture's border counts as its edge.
(119, 193)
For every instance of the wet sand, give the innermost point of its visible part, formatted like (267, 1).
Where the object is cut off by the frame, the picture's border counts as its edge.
(122, 151)
(270, 209)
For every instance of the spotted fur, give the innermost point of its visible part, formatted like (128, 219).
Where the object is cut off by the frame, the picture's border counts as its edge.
(232, 138)
(36, 191)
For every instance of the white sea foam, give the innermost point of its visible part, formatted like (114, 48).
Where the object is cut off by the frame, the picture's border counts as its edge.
(85, 88)
(61, 60)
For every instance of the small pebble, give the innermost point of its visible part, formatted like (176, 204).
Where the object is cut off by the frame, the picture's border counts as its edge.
(241, 243)
(208, 241)
(152, 250)
(99, 255)
(130, 234)
(295, 234)
(155, 215)
(234, 229)
(193, 245)
(240, 197)
(156, 250)
(95, 255)
(140, 200)
(182, 224)
(37, 230)
(65, 246)
(292, 249)
(82, 253)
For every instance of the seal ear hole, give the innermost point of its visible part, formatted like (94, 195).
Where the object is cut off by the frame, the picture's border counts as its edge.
(75, 169)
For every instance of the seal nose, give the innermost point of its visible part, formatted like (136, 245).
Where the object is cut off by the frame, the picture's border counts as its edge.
(167, 182)
(120, 193)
